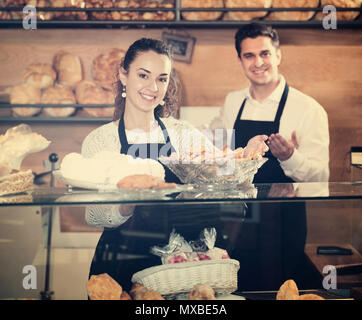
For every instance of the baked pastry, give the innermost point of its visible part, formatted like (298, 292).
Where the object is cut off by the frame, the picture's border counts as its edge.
(202, 15)
(17, 143)
(239, 15)
(125, 296)
(157, 15)
(69, 68)
(293, 15)
(310, 297)
(68, 15)
(40, 75)
(202, 292)
(103, 287)
(16, 182)
(144, 181)
(99, 15)
(288, 291)
(25, 94)
(41, 15)
(138, 291)
(88, 92)
(105, 66)
(58, 95)
(341, 15)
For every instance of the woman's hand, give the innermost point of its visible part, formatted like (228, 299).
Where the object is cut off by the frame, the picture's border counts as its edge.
(256, 147)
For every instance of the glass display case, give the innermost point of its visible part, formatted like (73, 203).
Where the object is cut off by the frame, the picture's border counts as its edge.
(54, 239)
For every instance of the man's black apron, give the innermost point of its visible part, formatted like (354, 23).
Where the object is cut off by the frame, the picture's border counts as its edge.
(149, 225)
(292, 216)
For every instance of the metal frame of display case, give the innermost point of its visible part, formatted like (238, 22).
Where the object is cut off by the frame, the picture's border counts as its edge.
(49, 119)
(177, 22)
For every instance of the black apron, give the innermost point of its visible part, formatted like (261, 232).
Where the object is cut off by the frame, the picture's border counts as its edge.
(149, 225)
(286, 221)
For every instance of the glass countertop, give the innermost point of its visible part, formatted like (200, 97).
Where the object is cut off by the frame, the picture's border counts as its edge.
(182, 194)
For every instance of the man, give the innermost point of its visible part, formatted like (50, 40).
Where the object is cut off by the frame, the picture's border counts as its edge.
(297, 127)
(296, 124)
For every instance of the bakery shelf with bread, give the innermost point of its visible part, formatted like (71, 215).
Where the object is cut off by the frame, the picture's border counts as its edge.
(183, 13)
(58, 89)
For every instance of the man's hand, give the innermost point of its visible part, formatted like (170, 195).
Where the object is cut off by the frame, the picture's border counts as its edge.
(281, 148)
(256, 147)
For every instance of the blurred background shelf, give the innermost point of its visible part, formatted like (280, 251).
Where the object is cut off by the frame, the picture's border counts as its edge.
(167, 17)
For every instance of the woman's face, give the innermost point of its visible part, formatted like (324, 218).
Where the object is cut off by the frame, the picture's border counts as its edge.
(146, 81)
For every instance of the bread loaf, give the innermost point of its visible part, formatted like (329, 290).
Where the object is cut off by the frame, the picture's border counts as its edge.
(341, 15)
(25, 94)
(239, 15)
(99, 15)
(69, 68)
(16, 182)
(105, 66)
(58, 95)
(88, 92)
(103, 287)
(202, 15)
(157, 15)
(293, 15)
(40, 75)
(69, 15)
(42, 15)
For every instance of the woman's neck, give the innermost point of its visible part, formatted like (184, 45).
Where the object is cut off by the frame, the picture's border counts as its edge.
(139, 120)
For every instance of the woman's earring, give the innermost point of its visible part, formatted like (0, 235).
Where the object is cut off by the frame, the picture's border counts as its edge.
(124, 94)
(162, 103)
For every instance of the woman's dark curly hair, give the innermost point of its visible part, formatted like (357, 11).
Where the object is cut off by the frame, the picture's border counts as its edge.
(171, 97)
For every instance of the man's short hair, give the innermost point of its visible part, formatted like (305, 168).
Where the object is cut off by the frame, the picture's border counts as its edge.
(254, 30)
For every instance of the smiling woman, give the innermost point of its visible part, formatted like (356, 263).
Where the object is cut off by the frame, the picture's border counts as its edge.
(143, 127)
(147, 64)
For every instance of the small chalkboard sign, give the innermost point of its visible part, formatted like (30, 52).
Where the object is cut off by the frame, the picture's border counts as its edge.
(181, 46)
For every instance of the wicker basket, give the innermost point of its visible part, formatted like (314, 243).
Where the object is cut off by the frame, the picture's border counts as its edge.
(180, 278)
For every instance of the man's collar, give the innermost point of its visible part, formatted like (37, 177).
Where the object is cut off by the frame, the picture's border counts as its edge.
(276, 95)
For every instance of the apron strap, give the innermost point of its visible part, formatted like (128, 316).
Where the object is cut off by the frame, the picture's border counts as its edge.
(123, 138)
(282, 103)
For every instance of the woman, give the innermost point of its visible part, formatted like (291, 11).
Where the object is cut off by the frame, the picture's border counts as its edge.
(146, 97)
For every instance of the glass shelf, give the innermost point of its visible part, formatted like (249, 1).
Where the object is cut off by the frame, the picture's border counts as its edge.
(191, 194)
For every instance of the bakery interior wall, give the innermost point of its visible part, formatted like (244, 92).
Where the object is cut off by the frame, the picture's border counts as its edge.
(323, 64)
